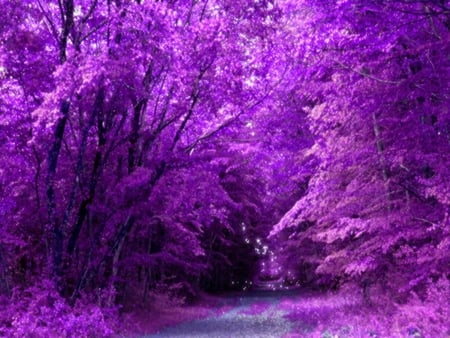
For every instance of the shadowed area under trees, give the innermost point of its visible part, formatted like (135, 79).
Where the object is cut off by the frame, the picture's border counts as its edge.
(154, 153)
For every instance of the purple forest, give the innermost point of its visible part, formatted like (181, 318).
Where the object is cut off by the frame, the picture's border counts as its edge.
(225, 168)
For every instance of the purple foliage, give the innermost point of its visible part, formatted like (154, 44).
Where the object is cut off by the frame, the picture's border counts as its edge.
(173, 146)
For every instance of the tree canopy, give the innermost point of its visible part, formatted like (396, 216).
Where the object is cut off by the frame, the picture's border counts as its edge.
(154, 144)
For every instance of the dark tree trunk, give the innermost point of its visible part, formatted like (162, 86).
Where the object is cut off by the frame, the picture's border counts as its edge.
(96, 171)
(54, 223)
(4, 284)
(67, 20)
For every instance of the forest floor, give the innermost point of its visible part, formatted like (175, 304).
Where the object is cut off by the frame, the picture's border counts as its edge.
(284, 314)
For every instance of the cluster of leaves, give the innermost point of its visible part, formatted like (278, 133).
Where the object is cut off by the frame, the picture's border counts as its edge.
(374, 85)
(122, 163)
(39, 311)
(148, 144)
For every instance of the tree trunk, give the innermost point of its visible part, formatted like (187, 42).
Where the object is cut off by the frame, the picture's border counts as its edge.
(114, 274)
(90, 272)
(365, 285)
(4, 284)
(96, 170)
(148, 271)
(54, 223)
(380, 146)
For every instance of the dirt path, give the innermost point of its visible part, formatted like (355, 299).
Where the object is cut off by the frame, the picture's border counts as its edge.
(256, 315)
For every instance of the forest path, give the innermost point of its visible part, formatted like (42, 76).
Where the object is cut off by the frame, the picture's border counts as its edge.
(255, 315)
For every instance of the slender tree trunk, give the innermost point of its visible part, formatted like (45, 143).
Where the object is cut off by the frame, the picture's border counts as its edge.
(140, 107)
(114, 274)
(380, 146)
(134, 137)
(365, 285)
(382, 160)
(67, 9)
(148, 270)
(54, 223)
(81, 154)
(96, 171)
(4, 284)
(90, 272)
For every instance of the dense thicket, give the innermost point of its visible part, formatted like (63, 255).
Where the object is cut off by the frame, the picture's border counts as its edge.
(148, 145)
(374, 83)
(125, 160)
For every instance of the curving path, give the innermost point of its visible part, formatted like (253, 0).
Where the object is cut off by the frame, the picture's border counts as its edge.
(256, 315)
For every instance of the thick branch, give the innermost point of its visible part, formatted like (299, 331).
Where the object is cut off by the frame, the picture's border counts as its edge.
(67, 19)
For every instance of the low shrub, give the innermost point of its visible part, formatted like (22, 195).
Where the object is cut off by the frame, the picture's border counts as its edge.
(39, 311)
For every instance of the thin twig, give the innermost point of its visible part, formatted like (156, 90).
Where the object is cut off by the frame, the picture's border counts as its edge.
(366, 75)
(425, 220)
(51, 23)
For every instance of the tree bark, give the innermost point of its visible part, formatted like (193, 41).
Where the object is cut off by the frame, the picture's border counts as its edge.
(90, 272)
(54, 223)
(4, 284)
(96, 170)
(67, 9)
